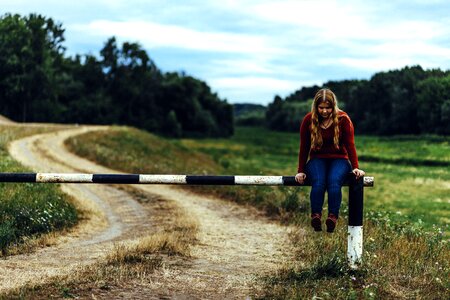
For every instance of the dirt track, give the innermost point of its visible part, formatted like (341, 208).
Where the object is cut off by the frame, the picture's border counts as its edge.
(236, 244)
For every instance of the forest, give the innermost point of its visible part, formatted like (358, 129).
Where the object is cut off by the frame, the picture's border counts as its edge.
(407, 101)
(39, 83)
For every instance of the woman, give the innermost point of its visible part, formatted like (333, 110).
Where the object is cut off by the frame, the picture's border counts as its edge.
(327, 138)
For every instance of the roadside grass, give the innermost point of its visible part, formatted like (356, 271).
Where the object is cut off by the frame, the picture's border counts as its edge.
(27, 211)
(406, 221)
(127, 264)
(134, 151)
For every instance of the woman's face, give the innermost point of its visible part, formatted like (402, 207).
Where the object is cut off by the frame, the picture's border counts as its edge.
(324, 110)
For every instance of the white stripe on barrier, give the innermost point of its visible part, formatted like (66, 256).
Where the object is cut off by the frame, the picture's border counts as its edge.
(57, 177)
(174, 179)
(355, 246)
(258, 180)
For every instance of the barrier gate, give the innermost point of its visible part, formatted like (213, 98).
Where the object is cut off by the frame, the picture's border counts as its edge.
(355, 199)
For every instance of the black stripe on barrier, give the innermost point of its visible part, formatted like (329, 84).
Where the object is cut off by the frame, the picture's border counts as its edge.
(355, 202)
(210, 180)
(290, 181)
(15, 177)
(115, 178)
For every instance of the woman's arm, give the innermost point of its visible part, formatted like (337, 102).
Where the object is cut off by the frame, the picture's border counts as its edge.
(305, 143)
(349, 144)
(348, 136)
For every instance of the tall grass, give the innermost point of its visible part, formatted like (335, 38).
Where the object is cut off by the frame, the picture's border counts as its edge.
(26, 209)
(407, 212)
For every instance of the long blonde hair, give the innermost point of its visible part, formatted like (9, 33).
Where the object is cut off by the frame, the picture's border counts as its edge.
(324, 96)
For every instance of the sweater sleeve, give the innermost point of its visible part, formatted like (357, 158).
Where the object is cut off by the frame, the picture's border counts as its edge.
(305, 143)
(349, 141)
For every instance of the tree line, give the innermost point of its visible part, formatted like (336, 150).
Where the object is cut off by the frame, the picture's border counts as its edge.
(39, 83)
(406, 101)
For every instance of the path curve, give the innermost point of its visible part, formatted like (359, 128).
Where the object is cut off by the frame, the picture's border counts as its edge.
(114, 216)
(236, 244)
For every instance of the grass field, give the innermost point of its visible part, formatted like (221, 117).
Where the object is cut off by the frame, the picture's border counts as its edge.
(407, 212)
(419, 193)
(28, 210)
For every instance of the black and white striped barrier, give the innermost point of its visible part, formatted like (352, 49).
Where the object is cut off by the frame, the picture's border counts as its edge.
(356, 192)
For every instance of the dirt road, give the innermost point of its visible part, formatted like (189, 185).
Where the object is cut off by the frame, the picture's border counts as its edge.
(236, 244)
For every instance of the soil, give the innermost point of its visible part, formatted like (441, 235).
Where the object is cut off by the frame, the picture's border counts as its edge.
(236, 246)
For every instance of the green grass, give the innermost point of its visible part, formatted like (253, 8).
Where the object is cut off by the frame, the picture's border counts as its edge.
(28, 210)
(419, 193)
(417, 150)
(407, 212)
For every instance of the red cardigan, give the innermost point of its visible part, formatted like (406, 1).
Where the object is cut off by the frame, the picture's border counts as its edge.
(346, 149)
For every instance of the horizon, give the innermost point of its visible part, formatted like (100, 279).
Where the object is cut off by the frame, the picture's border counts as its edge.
(250, 51)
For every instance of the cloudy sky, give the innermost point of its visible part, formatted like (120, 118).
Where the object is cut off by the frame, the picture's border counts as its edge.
(250, 50)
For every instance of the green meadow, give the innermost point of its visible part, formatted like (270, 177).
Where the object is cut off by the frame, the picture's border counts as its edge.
(406, 248)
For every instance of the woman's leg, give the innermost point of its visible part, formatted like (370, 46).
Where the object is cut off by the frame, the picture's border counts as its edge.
(337, 172)
(316, 170)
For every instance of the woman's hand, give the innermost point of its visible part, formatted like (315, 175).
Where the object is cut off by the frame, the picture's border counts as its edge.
(300, 178)
(358, 173)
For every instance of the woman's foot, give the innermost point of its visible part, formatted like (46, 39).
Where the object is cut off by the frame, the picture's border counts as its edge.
(316, 221)
(331, 222)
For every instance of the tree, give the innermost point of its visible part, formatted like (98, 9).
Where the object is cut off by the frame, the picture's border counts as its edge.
(393, 102)
(433, 105)
(31, 52)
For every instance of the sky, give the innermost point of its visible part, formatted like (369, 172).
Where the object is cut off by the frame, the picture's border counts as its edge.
(248, 51)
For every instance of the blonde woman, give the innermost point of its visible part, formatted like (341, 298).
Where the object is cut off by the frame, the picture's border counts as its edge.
(327, 139)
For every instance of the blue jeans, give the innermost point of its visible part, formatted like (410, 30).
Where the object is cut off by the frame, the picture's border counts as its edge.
(327, 174)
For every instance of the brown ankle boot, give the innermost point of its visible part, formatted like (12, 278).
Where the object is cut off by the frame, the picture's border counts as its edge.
(316, 221)
(331, 222)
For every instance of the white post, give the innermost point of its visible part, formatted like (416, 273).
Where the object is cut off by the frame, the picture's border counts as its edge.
(355, 246)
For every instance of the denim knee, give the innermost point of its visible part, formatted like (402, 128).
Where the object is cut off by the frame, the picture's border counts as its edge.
(319, 184)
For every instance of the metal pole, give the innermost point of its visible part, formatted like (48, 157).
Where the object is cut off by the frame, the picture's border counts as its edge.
(159, 179)
(355, 222)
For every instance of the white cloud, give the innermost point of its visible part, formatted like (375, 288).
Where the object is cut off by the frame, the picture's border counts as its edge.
(154, 35)
(263, 83)
(392, 55)
(412, 49)
(248, 65)
(374, 64)
(255, 89)
(329, 20)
